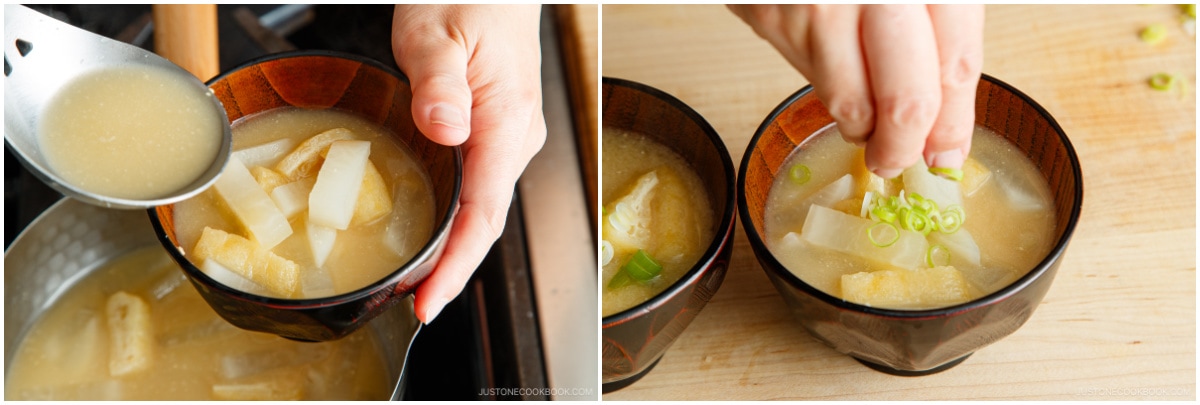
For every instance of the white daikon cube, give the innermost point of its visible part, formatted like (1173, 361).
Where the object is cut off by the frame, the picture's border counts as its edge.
(292, 198)
(321, 239)
(237, 187)
(266, 154)
(335, 193)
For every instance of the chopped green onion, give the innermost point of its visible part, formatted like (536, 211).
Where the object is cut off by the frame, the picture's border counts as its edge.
(952, 174)
(951, 219)
(884, 214)
(800, 174)
(642, 267)
(1162, 81)
(619, 280)
(887, 241)
(937, 256)
(1154, 33)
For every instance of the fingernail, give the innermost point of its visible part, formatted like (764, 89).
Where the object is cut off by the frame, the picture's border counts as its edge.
(435, 308)
(951, 159)
(887, 173)
(443, 114)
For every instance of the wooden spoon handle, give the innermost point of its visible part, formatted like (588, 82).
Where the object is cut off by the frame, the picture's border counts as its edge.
(187, 35)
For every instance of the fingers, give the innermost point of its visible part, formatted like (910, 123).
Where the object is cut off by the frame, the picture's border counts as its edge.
(436, 65)
(904, 82)
(493, 161)
(839, 73)
(958, 30)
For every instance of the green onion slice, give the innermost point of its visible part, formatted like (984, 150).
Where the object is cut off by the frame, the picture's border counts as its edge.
(1162, 81)
(642, 267)
(883, 234)
(1154, 33)
(884, 214)
(951, 219)
(937, 255)
(619, 280)
(800, 174)
(952, 174)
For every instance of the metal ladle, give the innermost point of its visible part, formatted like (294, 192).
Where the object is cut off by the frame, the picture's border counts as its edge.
(41, 55)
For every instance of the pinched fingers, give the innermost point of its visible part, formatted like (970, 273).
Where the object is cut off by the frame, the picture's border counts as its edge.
(904, 82)
(958, 30)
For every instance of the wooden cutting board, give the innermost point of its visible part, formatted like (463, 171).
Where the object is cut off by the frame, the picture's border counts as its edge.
(1119, 321)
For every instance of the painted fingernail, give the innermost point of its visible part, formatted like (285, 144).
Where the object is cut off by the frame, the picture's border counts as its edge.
(887, 173)
(435, 308)
(951, 159)
(443, 114)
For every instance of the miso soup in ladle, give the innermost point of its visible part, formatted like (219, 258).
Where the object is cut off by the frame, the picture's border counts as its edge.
(106, 122)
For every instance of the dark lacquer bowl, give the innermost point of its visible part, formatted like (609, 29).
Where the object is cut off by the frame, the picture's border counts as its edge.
(326, 80)
(635, 339)
(927, 341)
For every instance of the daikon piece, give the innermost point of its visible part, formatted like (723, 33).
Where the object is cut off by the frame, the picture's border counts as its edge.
(918, 179)
(791, 241)
(962, 247)
(292, 198)
(627, 225)
(251, 205)
(229, 278)
(374, 198)
(975, 175)
(267, 179)
(835, 191)
(1022, 192)
(305, 159)
(280, 389)
(846, 233)
(267, 154)
(335, 193)
(907, 289)
(316, 282)
(250, 260)
(320, 240)
(130, 335)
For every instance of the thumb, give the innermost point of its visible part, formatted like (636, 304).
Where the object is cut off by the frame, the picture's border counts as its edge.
(437, 70)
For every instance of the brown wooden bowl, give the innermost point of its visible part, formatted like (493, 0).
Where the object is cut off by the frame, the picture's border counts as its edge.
(635, 339)
(354, 84)
(915, 342)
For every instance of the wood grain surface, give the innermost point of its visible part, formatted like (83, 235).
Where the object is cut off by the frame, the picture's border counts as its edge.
(1119, 323)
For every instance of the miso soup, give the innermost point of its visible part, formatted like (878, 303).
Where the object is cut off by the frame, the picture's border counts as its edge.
(918, 241)
(313, 203)
(130, 132)
(656, 223)
(134, 329)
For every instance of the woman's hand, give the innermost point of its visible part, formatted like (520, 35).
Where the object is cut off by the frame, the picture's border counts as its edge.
(898, 79)
(476, 81)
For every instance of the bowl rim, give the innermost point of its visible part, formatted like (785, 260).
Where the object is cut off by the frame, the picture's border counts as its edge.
(439, 233)
(725, 228)
(777, 268)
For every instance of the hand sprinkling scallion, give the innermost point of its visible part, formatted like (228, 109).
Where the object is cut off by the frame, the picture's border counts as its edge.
(800, 174)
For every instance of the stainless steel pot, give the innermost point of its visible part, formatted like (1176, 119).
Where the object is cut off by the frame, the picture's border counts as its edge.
(71, 239)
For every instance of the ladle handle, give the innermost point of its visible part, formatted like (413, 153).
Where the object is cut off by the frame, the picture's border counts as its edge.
(186, 34)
